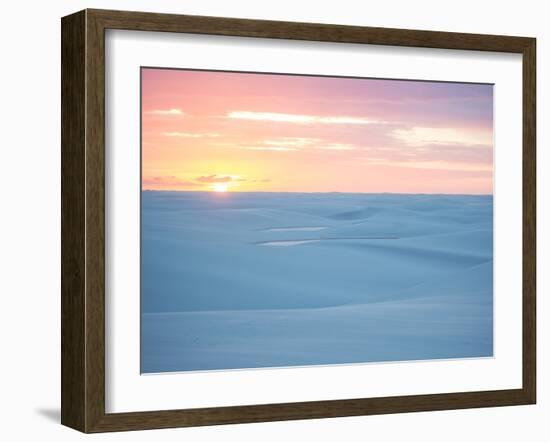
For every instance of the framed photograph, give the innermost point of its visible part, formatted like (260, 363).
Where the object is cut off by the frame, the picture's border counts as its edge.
(268, 220)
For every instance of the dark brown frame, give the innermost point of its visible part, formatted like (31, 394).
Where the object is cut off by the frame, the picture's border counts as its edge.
(83, 218)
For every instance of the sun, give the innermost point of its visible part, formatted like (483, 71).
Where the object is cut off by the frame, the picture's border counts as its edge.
(220, 187)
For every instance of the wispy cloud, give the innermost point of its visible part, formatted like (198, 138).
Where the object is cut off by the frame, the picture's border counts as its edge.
(278, 117)
(270, 148)
(336, 146)
(283, 144)
(167, 181)
(290, 144)
(422, 136)
(206, 181)
(173, 111)
(191, 134)
(219, 179)
(433, 165)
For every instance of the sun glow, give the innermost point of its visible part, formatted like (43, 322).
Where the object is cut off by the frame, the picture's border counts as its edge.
(220, 187)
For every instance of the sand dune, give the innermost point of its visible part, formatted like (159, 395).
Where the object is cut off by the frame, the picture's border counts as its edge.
(266, 279)
(294, 229)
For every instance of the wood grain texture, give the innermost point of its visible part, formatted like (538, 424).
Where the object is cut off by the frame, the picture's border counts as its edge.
(145, 21)
(529, 220)
(83, 220)
(95, 222)
(73, 129)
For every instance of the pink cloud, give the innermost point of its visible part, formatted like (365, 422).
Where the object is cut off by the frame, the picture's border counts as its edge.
(218, 179)
(166, 181)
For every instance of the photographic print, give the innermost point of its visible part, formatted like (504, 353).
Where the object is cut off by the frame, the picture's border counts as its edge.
(302, 220)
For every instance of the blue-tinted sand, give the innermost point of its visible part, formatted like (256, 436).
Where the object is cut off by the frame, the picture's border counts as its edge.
(249, 280)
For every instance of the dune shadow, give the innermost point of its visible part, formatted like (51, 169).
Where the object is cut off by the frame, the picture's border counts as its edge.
(294, 242)
(295, 229)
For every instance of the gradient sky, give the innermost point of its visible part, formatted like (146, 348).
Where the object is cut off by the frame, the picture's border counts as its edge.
(204, 130)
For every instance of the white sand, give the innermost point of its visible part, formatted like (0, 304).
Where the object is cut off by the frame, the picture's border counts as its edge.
(373, 278)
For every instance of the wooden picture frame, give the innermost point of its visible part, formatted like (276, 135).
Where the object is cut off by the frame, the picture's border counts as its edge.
(83, 220)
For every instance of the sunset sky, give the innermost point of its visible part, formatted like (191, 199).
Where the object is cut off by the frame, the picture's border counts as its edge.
(221, 131)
